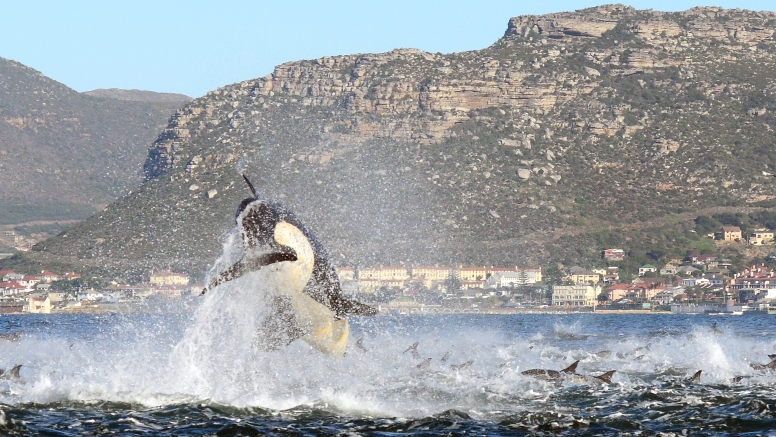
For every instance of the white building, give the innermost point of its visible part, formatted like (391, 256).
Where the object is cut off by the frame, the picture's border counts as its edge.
(511, 279)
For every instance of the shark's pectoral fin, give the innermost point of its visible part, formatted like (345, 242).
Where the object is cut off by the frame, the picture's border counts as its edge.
(279, 255)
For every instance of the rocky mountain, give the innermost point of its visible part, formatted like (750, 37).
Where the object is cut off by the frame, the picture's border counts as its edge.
(577, 130)
(65, 154)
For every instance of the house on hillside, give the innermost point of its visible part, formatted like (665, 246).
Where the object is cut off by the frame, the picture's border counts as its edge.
(11, 288)
(731, 233)
(760, 237)
(692, 282)
(660, 280)
(647, 268)
(686, 270)
(47, 276)
(702, 260)
(28, 281)
(715, 279)
(584, 277)
(668, 270)
(614, 254)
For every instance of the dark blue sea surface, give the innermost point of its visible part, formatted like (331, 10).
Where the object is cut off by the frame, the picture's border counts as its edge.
(198, 372)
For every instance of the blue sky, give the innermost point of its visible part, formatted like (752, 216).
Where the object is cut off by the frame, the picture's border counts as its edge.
(191, 47)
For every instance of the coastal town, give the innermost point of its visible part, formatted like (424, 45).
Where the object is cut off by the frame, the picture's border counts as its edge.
(697, 283)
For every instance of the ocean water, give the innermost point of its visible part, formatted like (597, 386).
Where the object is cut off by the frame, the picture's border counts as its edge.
(198, 372)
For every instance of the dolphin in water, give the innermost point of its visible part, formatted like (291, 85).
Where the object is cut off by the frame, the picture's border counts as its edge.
(570, 374)
(307, 299)
(414, 350)
(12, 374)
(551, 375)
(696, 377)
(769, 366)
(604, 378)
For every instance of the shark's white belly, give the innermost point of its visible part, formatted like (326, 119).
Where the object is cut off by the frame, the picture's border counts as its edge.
(289, 278)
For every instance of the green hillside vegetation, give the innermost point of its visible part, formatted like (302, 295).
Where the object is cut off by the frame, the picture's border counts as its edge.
(65, 155)
(575, 132)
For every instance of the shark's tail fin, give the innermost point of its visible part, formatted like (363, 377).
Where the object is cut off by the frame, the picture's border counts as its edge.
(15, 371)
(345, 307)
(572, 368)
(695, 378)
(606, 377)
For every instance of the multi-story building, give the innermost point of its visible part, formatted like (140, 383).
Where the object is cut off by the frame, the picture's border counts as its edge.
(584, 277)
(511, 279)
(731, 233)
(474, 273)
(430, 276)
(756, 277)
(530, 276)
(166, 277)
(575, 295)
(39, 305)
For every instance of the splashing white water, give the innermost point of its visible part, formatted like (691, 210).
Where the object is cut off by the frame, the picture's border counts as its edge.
(210, 355)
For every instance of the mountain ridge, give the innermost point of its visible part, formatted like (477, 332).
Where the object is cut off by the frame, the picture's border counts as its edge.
(66, 154)
(136, 95)
(588, 120)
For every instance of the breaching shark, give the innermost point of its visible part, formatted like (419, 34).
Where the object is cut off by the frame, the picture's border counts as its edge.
(306, 300)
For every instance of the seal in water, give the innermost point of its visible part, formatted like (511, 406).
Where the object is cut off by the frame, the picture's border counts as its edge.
(307, 299)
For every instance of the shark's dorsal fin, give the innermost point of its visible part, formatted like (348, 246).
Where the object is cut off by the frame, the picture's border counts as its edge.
(250, 185)
(606, 377)
(572, 368)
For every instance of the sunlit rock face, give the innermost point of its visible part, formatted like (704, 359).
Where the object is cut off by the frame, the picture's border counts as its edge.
(516, 154)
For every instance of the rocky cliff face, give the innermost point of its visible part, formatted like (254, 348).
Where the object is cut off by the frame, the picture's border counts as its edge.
(605, 115)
